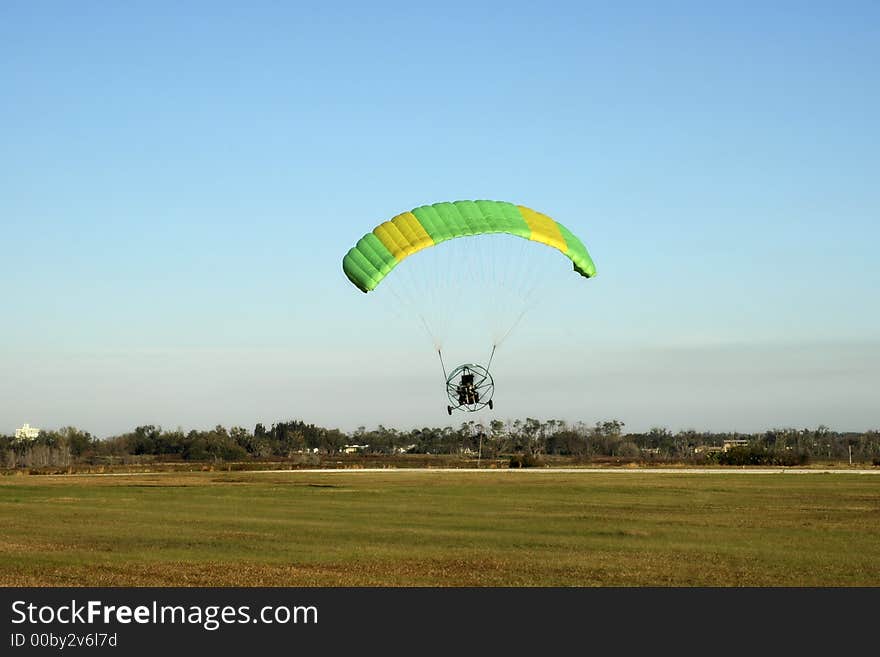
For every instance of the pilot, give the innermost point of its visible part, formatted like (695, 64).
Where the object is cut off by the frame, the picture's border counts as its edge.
(467, 392)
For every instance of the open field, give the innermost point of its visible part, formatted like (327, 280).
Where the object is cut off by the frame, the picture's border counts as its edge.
(433, 528)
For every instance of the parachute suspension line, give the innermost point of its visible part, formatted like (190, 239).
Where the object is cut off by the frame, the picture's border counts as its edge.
(428, 330)
(512, 326)
(491, 356)
(480, 258)
(414, 277)
(488, 262)
(440, 353)
(516, 272)
(409, 303)
(528, 282)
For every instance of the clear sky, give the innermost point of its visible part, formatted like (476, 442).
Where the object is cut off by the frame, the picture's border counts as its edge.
(179, 183)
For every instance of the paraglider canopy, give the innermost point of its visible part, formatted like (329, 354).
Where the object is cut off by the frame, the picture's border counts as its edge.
(389, 243)
(478, 266)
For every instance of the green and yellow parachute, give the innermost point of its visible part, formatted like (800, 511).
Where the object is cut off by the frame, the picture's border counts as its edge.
(380, 251)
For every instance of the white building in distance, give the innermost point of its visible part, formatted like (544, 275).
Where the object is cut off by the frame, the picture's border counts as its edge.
(26, 432)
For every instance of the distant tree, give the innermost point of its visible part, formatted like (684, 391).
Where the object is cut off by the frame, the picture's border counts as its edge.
(144, 440)
(78, 442)
(195, 447)
(628, 449)
(605, 436)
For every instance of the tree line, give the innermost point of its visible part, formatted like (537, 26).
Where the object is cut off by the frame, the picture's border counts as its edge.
(524, 441)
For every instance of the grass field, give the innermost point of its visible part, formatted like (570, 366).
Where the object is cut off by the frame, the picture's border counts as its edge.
(411, 528)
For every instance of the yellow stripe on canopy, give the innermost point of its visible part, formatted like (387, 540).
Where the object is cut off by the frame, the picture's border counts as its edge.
(403, 235)
(544, 229)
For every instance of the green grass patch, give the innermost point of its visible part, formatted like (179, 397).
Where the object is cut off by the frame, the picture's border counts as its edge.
(411, 528)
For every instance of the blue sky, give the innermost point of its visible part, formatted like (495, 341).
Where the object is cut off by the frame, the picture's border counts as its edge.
(179, 182)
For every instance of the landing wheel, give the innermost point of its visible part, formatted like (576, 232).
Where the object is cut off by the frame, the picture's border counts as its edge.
(490, 404)
(449, 409)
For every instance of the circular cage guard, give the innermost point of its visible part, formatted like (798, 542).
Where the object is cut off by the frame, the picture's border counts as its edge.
(469, 388)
